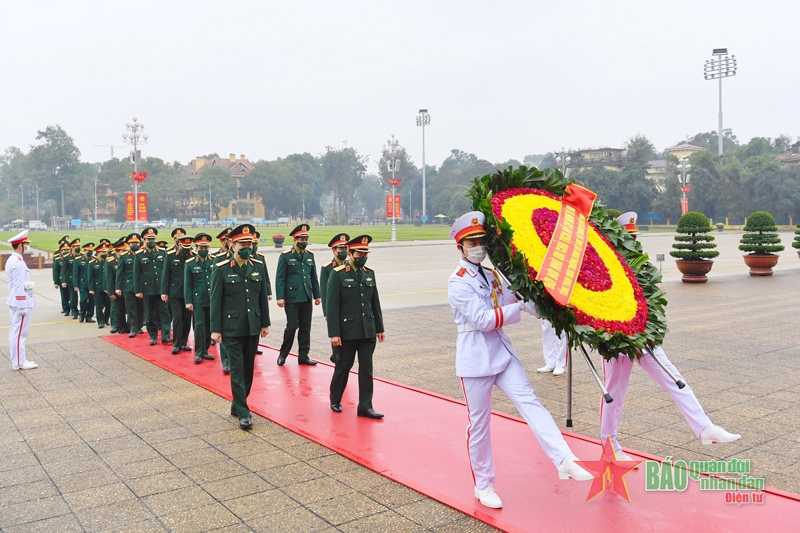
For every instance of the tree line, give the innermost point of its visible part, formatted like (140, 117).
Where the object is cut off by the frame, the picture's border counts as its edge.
(338, 187)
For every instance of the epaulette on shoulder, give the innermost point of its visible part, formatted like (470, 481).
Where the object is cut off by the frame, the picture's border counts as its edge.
(220, 263)
(171, 251)
(191, 259)
(110, 259)
(290, 250)
(339, 268)
(326, 265)
(365, 267)
(460, 272)
(256, 261)
(139, 251)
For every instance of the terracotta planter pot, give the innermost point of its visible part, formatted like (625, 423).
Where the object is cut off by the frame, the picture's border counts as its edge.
(694, 271)
(760, 265)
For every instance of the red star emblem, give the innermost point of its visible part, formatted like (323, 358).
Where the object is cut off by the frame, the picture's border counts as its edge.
(608, 470)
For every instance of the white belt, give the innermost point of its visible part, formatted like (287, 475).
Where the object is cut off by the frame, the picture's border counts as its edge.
(463, 328)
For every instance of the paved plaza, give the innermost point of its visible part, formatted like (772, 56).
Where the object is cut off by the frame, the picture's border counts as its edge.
(97, 439)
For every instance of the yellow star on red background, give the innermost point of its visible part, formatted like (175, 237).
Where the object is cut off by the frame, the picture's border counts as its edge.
(608, 470)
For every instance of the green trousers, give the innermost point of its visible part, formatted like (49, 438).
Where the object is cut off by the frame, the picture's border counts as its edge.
(181, 321)
(242, 355)
(298, 316)
(346, 357)
(202, 331)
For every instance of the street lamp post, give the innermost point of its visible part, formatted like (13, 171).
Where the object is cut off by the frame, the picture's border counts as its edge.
(423, 119)
(562, 159)
(683, 167)
(391, 152)
(134, 137)
(716, 69)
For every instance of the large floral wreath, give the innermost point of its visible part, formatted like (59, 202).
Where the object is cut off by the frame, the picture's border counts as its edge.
(616, 306)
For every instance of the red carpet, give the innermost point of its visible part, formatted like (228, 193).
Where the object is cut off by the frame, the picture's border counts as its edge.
(422, 444)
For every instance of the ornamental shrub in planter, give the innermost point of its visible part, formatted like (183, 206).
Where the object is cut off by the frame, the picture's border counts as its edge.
(796, 243)
(693, 249)
(720, 226)
(278, 240)
(613, 213)
(762, 242)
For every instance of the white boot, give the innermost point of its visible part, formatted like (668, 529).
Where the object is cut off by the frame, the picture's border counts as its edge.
(559, 371)
(570, 469)
(546, 368)
(622, 456)
(713, 434)
(27, 365)
(488, 497)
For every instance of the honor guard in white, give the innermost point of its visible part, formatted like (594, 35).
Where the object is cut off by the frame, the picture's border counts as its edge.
(554, 347)
(618, 372)
(482, 304)
(20, 302)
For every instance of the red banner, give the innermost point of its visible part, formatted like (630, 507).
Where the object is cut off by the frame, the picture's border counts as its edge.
(564, 257)
(393, 211)
(129, 207)
(142, 207)
(684, 206)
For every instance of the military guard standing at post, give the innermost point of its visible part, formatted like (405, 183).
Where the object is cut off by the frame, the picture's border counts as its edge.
(239, 314)
(296, 287)
(338, 245)
(147, 284)
(118, 321)
(66, 275)
(172, 290)
(197, 295)
(482, 304)
(82, 283)
(102, 303)
(355, 323)
(125, 285)
(59, 258)
(20, 302)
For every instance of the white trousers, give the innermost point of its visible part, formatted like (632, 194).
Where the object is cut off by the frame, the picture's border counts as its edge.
(18, 335)
(553, 346)
(617, 374)
(514, 383)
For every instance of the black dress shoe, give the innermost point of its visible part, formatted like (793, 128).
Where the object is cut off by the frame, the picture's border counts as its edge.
(175, 350)
(113, 330)
(139, 331)
(89, 321)
(132, 334)
(281, 360)
(332, 359)
(213, 343)
(153, 342)
(74, 317)
(166, 341)
(186, 349)
(233, 410)
(369, 413)
(226, 370)
(309, 362)
(197, 359)
(101, 326)
(245, 423)
(208, 357)
(336, 407)
(259, 352)
(80, 319)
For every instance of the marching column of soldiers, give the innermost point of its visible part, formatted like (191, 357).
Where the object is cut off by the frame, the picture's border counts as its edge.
(137, 283)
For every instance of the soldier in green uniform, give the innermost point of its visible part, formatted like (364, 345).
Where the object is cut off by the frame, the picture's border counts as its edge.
(239, 313)
(338, 245)
(118, 321)
(197, 293)
(354, 322)
(82, 283)
(147, 271)
(66, 275)
(296, 287)
(222, 252)
(263, 259)
(98, 268)
(172, 291)
(58, 265)
(125, 285)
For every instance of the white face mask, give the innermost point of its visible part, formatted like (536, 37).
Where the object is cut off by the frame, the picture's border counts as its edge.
(475, 254)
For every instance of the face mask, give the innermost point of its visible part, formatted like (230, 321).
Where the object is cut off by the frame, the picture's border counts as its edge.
(302, 245)
(202, 253)
(475, 255)
(89, 253)
(151, 244)
(134, 247)
(255, 249)
(244, 253)
(341, 256)
(359, 262)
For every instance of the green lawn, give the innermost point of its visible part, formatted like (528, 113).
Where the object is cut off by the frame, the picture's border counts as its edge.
(48, 240)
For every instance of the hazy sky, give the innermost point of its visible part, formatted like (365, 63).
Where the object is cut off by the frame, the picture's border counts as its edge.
(500, 79)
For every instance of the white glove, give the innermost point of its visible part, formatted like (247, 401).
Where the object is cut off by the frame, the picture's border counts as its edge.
(23, 311)
(530, 308)
(29, 285)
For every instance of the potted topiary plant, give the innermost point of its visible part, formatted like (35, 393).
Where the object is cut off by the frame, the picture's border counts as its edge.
(720, 226)
(796, 242)
(613, 213)
(693, 249)
(278, 240)
(762, 242)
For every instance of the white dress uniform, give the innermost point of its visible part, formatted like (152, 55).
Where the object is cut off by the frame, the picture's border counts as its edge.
(554, 346)
(20, 302)
(482, 304)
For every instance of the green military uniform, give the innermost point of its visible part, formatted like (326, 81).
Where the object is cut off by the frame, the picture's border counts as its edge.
(147, 281)
(297, 285)
(134, 306)
(58, 266)
(82, 283)
(217, 256)
(325, 273)
(197, 293)
(172, 285)
(101, 300)
(354, 314)
(118, 322)
(239, 310)
(66, 279)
